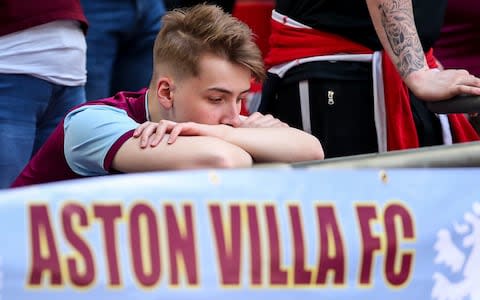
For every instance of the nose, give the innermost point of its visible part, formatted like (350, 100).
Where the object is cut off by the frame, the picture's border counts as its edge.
(232, 116)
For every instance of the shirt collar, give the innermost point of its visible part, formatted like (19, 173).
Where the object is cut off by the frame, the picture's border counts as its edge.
(147, 113)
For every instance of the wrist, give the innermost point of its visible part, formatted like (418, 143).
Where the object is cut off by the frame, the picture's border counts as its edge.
(415, 79)
(222, 131)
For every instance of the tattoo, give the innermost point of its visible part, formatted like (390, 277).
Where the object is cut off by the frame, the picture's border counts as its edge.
(399, 24)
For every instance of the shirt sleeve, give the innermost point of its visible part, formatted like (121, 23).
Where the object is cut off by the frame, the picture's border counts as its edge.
(90, 133)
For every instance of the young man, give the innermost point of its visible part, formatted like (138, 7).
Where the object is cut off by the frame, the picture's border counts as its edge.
(203, 63)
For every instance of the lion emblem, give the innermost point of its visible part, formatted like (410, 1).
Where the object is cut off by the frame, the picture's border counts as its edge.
(463, 261)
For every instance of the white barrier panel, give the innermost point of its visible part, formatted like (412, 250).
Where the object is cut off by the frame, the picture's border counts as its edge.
(245, 234)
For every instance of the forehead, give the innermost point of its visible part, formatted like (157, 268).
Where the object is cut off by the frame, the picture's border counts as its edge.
(217, 70)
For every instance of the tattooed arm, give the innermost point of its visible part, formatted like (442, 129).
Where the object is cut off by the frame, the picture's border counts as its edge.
(395, 27)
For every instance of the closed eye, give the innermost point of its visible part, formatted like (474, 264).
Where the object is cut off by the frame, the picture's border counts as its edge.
(215, 99)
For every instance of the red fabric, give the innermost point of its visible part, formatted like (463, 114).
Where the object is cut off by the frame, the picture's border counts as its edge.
(401, 130)
(16, 15)
(289, 43)
(462, 130)
(256, 14)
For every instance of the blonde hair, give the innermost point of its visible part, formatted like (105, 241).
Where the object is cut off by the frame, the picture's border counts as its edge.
(189, 33)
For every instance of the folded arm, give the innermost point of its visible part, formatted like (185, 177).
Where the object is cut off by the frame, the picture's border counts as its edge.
(265, 138)
(93, 134)
(268, 139)
(186, 153)
(283, 144)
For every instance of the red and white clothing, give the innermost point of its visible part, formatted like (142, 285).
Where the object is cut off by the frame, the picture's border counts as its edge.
(293, 44)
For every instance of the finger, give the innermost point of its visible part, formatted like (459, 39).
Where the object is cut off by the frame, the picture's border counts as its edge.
(252, 118)
(470, 90)
(169, 125)
(256, 115)
(159, 134)
(267, 119)
(473, 81)
(147, 132)
(278, 124)
(274, 123)
(164, 126)
(175, 133)
(139, 129)
(469, 80)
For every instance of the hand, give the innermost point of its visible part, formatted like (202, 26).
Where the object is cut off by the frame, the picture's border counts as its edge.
(435, 85)
(257, 120)
(151, 133)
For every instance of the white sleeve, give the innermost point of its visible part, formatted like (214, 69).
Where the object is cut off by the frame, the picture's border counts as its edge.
(90, 132)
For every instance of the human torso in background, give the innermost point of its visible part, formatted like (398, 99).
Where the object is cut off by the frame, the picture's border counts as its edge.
(459, 42)
(44, 39)
(350, 18)
(18, 15)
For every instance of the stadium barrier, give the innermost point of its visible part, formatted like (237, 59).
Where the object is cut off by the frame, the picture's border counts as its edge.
(459, 104)
(465, 155)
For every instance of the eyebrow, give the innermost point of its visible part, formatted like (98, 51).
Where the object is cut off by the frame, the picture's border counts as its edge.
(222, 90)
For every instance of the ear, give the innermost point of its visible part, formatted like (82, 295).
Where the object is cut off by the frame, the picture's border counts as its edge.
(164, 92)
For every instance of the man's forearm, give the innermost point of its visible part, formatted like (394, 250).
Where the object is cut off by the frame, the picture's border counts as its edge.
(188, 152)
(263, 144)
(395, 27)
(284, 144)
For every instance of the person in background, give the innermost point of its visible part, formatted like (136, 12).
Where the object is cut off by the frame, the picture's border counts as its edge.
(189, 117)
(120, 44)
(356, 74)
(42, 75)
(459, 44)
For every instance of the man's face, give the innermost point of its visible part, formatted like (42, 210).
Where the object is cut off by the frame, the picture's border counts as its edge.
(214, 96)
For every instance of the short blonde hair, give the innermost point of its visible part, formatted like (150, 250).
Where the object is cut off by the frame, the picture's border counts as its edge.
(189, 33)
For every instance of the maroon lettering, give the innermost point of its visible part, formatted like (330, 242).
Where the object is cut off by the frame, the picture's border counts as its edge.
(228, 251)
(393, 212)
(370, 242)
(301, 276)
(69, 213)
(181, 244)
(255, 246)
(138, 213)
(277, 275)
(331, 247)
(44, 256)
(108, 214)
